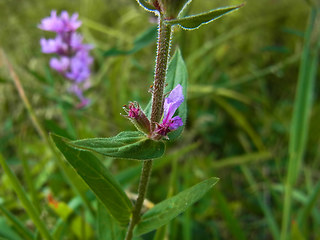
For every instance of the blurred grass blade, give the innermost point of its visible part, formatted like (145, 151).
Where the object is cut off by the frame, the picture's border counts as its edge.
(170, 208)
(195, 21)
(71, 176)
(304, 94)
(203, 90)
(305, 212)
(130, 145)
(272, 224)
(6, 232)
(187, 219)
(301, 112)
(18, 225)
(30, 209)
(112, 32)
(260, 73)
(241, 120)
(232, 223)
(143, 40)
(98, 178)
(242, 159)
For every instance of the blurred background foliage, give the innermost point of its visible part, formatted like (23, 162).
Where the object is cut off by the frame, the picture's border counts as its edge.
(243, 72)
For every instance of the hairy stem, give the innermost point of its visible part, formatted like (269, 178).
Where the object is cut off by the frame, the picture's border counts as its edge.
(143, 185)
(164, 39)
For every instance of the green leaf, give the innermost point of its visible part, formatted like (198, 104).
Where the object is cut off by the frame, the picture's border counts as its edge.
(195, 21)
(98, 178)
(130, 145)
(178, 74)
(146, 5)
(170, 208)
(108, 229)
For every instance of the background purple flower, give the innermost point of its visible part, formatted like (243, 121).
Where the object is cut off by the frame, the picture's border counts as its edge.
(56, 45)
(61, 24)
(73, 60)
(61, 64)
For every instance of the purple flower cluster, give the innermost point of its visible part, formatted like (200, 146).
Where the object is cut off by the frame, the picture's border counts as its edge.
(73, 60)
(168, 123)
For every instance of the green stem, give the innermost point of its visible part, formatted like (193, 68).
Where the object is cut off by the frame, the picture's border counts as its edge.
(32, 212)
(143, 185)
(164, 40)
(163, 48)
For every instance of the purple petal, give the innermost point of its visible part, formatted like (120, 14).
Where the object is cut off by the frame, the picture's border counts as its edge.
(60, 24)
(52, 23)
(172, 102)
(84, 102)
(48, 46)
(76, 90)
(70, 24)
(53, 45)
(79, 67)
(61, 65)
(76, 41)
(175, 123)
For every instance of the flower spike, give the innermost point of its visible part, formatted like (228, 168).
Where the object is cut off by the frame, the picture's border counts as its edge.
(73, 60)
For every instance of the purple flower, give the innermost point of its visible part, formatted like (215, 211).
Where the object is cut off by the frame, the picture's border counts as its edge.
(60, 65)
(74, 59)
(134, 110)
(76, 43)
(171, 104)
(77, 90)
(79, 67)
(57, 24)
(137, 117)
(53, 45)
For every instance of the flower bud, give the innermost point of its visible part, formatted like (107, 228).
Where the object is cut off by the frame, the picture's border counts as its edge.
(137, 117)
(171, 8)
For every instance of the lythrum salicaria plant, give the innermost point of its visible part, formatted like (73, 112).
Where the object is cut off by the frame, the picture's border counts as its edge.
(162, 120)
